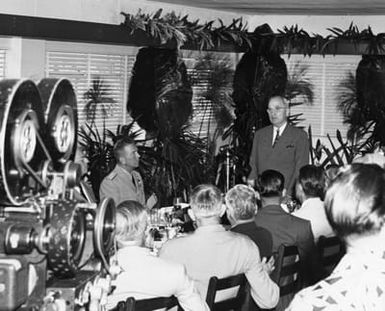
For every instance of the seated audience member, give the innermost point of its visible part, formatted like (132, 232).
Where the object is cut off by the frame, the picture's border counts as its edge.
(241, 202)
(310, 192)
(376, 157)
(143, 275)
(213, 251)
(124, 182)
(285, 228)
(355, 206)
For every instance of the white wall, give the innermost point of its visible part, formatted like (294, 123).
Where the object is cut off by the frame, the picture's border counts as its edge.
(318, 24)
(103, 11)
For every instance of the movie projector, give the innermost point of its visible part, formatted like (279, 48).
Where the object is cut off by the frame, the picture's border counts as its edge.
(44, 226)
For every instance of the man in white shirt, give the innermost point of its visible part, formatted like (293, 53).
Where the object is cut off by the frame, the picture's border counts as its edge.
(143, 275)
(213, 251)
(310, 191)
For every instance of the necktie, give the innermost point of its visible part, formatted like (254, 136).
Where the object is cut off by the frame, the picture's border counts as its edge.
(276, 138)
(133, 180)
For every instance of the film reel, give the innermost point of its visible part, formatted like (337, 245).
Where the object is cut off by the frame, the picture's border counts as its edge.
(104, 230)
(21, 147)
(66, 238)
(59, 100)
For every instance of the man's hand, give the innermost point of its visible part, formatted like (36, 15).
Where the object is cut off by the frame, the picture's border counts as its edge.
(151, 201)
(251, 182)
(269, 265)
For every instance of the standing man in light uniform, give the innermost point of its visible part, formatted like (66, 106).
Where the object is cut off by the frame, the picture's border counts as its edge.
(124, 182)
(279, 146)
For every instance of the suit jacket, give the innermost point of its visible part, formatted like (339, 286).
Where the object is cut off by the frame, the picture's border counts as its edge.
(213, 251)
(291, 230)
(120, 185)
(146, 276)
(289, 154)
(261, 237)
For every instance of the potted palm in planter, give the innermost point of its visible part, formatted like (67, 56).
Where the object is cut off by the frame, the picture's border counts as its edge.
(160, 100)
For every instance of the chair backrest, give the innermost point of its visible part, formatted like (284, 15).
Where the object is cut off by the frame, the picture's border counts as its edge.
(148, 304)
(331, 250)
(287, 272)
(216, 285)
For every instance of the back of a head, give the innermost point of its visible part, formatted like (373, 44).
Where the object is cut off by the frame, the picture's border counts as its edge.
(312, 180)
(271, 184)
(120, 145)
(131, 222)
(355, 201)
(242, 200)
(206, 201)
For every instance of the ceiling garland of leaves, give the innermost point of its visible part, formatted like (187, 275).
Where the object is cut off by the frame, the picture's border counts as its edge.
(171, 27)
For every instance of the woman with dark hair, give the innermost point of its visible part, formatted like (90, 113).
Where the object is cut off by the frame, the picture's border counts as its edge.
(355, 207)
(310, 190)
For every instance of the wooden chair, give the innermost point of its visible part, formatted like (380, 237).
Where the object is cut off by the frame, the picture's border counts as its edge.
(148, 304)
(216, 285)
(331, 250)
(287, 270)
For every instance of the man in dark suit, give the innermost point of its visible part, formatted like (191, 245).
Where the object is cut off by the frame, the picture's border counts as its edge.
(241, 203)
(285, 228)
(279, 146)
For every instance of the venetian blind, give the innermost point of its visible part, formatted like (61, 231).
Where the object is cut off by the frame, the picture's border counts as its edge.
(203, 120)
(325, 73)
(81, 69)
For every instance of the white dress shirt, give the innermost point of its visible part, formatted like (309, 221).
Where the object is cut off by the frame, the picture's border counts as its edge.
(313, 209)
(281, 129)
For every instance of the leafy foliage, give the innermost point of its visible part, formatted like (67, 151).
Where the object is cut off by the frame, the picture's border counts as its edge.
(160, 94)
(176, 28)
(218, 73)
(98, 98)
(160, 99)
(339, 155)
(172, 27)
(299, 89)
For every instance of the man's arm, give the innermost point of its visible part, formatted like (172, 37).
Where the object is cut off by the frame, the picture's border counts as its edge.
(263, 290)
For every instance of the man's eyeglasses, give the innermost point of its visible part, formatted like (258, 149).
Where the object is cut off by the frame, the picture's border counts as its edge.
(270, 110)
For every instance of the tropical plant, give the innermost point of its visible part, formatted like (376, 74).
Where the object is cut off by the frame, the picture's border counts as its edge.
(217, 73)
(160, 99)
(177, 30)
(361, 102)
(98, 98)
(338, 155)
(216, 112)
(98, 151)
(299, 89)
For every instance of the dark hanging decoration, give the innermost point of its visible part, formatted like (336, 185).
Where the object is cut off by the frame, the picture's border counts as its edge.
(160, 93)
(368, 115)
(259, 75)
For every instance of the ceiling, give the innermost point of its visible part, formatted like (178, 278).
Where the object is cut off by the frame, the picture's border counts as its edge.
(288, 7)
